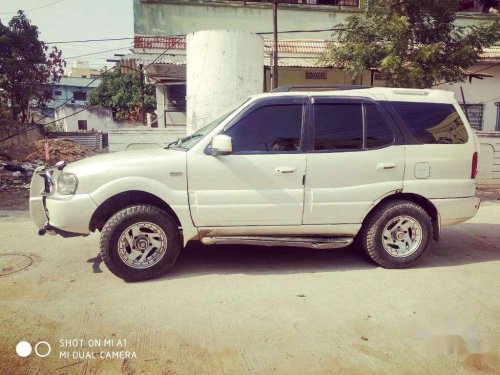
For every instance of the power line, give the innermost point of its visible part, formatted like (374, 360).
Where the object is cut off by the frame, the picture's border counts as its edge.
(488, 67)
(469, 74)
(55, 109)
(183, 35)
(32, 9)
(89, 40)
(97, 53)
(84, 108)
(309, 31)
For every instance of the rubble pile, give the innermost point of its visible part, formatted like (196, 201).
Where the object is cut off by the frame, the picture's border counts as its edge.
(16, 175)
(17, 166)
(59, 149)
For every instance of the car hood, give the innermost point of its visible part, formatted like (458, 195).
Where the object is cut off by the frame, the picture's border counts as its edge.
(156, 164)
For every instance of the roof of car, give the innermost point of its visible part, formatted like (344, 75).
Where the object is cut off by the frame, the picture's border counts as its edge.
(377, 93)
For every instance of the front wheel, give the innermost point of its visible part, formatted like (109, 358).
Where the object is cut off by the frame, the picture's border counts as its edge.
(140, 242)
(396, 234)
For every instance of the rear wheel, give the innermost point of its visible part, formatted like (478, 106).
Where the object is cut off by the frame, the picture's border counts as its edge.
(396, 234)
(140, 242)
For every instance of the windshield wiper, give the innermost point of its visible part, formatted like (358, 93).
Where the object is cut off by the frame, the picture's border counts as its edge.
(172, 143)
(189, 137)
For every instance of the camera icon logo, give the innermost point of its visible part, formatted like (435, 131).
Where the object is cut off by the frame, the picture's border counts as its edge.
(42, 349)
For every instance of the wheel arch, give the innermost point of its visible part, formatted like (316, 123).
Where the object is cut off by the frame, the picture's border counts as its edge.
(423, 202)
(124, 199)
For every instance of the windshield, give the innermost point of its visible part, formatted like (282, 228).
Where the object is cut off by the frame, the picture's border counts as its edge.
(189, 141)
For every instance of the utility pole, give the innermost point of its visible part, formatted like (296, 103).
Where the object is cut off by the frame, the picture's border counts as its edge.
(464, 103)
(275, 52)
(141, 75)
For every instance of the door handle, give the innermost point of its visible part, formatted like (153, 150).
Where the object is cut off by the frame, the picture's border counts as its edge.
(285, 170)
(381, 166)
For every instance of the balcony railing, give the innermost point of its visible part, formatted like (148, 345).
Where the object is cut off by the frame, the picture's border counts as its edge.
(309, 3)
(345, 3)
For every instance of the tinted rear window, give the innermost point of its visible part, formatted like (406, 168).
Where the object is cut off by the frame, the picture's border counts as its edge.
(378, 133)
(338, 126)
(433, 123)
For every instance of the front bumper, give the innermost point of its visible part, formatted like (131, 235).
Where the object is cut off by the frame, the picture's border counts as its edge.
(67, 215)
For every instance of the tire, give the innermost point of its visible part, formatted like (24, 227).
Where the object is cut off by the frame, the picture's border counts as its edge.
(140, 242)
(382, 240)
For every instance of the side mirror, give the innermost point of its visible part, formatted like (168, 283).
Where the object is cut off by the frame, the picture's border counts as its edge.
(222, 145)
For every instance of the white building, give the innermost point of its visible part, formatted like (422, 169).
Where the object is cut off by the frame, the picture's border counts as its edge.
(74, 117)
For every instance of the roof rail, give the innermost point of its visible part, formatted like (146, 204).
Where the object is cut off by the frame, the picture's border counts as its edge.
(318, 88)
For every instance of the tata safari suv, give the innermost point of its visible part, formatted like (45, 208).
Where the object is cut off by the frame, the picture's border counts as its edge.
(319, 169)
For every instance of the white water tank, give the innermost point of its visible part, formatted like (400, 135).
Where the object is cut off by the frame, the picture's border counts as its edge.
(223, 68)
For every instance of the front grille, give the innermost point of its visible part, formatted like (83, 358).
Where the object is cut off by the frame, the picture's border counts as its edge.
(48, 182)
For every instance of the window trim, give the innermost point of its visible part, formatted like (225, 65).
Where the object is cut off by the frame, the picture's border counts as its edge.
(83, 122)
(497, 124)
(264, 102)
(397, 135)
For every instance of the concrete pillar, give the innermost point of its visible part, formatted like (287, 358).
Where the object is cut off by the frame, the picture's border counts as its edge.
(223, 67)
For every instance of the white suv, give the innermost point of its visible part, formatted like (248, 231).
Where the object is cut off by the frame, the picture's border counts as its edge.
(317, 169)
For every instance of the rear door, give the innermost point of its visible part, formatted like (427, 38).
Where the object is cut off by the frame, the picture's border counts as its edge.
(355, 157)
(440, 150)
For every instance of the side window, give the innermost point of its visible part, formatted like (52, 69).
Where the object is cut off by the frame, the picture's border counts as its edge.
(338, 126)
(378, 133)
(433, 123)
(273, 128)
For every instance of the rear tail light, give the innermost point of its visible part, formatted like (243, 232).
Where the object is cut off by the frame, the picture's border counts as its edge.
(473, 173)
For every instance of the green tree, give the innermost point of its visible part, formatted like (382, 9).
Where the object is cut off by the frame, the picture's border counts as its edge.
(415, 42)
(27, 66)
(122, 94)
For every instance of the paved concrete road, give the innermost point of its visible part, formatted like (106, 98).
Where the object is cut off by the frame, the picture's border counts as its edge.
(254, 310)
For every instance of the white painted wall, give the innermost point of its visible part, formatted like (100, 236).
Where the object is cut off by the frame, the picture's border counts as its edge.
(184, 17)
(223, 67)
(489, 159)
(142, 138)
(99, 119)
(485, 91)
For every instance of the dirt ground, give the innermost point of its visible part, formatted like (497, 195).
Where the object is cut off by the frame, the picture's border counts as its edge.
(253, 310)
(12, 199)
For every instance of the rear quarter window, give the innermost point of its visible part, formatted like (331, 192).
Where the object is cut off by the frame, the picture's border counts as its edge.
(433, 123)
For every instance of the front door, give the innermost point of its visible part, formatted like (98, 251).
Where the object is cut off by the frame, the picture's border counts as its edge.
(261, 181)
(355, 157)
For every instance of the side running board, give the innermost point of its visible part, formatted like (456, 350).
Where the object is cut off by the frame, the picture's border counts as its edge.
(309, 242)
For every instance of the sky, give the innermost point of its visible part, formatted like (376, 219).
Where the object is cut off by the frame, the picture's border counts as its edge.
(69, 20)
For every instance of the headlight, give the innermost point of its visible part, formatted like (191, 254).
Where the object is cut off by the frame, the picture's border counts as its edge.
(67, 183)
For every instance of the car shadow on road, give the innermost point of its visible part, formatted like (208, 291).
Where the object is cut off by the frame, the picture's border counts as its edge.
(466, 244)
(197, 259)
